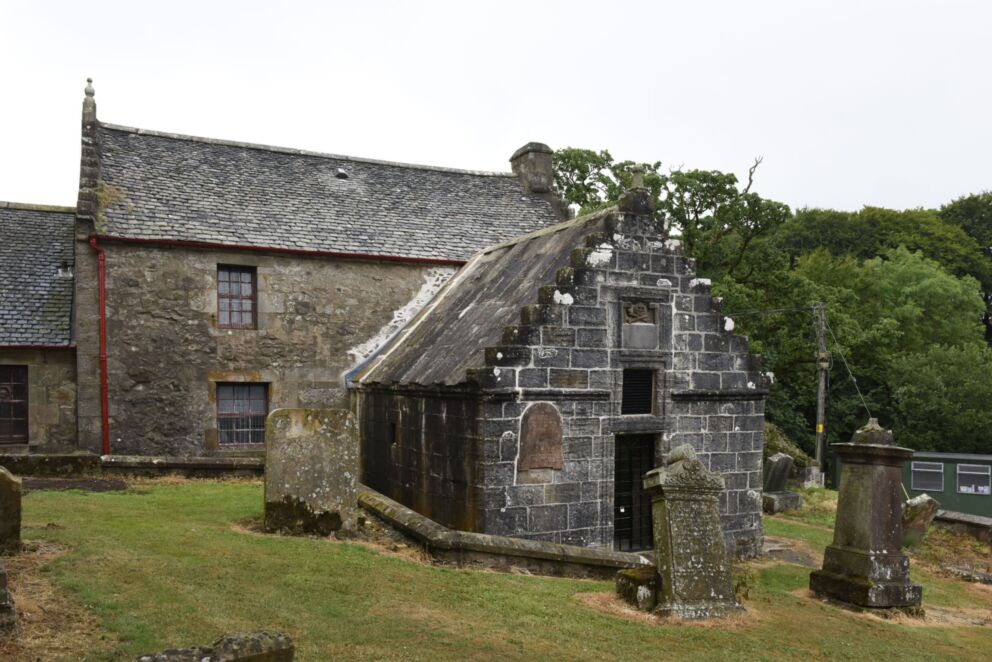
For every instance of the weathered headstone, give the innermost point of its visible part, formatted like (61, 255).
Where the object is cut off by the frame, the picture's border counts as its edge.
(864, 566)
(311, 470)
(694, 578)
(775, 498)
(8, 616)
(777, 469)
(918, 514)
(238, 647)
(10, 511)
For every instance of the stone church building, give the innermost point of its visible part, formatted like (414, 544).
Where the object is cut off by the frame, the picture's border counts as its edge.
(199, 284)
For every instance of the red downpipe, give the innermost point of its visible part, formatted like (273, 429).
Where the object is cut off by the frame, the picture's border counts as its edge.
(101, 272)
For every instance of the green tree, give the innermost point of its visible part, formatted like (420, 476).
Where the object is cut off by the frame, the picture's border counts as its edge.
(942, 398)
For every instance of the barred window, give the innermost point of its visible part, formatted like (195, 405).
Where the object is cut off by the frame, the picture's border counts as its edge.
(927, 476)
(236, 297)
(241, 412)
(638, 392)
(974, 479)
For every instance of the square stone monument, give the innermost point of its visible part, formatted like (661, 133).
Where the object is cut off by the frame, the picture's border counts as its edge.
(864, 566)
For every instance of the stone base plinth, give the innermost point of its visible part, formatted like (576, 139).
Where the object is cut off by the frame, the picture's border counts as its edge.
(639, 587)
(863, 592)
(777, 502)
(700, 610)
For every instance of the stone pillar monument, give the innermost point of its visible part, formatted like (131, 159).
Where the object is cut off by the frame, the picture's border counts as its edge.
(864, 565)
(690, 554)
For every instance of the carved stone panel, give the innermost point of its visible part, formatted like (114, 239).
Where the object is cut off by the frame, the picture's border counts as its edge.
(540, 438)
(640, 325)
(637, 312)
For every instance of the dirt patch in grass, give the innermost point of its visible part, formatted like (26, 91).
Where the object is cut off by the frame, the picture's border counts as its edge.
(943, 549)
(371, 538)
(50, 624)
(85, 484)
(609, 603)
(179, 479)
(934, 616)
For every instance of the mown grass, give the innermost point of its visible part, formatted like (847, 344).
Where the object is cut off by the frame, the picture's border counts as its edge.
(164, 566)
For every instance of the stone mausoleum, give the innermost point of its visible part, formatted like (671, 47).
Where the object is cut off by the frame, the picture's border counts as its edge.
(533, 393)
(199, 284)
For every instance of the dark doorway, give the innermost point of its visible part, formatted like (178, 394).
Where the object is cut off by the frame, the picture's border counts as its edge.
(13, 404)
(634, 457)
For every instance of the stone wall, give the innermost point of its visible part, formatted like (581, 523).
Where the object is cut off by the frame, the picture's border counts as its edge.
(571, 349)
(421, 448)
(86, 335)
(51, 395)
(166, 354)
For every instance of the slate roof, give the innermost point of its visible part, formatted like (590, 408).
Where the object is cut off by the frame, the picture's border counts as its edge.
(35, 302)
(451, 333)
(165, 186)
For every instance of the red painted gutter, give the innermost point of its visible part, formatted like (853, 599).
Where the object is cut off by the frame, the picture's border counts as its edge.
(44, 347)
(272, 249)
(101, 262)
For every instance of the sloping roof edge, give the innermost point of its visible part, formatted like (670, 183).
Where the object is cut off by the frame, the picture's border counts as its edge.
(24, 206)
(401, 336)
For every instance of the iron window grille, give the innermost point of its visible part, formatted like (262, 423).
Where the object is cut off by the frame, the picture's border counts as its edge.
(927, 476)
(236, 297)
(13, 404)
(974, 479)
(241, 412)
(638, 392)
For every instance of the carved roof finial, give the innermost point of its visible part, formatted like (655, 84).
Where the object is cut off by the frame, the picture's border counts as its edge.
(638, 172)
(89, 103)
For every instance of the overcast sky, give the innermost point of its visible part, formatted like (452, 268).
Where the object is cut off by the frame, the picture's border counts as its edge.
(850, 103)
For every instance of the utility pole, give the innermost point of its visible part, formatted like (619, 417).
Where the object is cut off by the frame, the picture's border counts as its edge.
(822, 375)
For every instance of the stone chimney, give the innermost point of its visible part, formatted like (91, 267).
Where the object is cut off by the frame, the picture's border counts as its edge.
(532, 165)
(89, 163)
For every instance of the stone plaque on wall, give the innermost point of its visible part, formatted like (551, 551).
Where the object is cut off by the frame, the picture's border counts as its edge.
(540, 438)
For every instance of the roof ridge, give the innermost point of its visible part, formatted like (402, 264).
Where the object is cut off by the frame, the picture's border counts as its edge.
(25, 206)
(551, 229)
(293, 150)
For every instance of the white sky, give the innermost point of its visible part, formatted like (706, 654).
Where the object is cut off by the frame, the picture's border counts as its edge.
(850, 103)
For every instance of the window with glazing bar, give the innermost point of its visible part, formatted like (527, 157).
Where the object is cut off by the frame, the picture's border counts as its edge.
(236, 297)
(974, 479)
(241, 412)
(927, 476)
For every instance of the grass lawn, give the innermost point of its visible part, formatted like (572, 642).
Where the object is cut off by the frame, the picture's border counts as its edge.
(166, 565)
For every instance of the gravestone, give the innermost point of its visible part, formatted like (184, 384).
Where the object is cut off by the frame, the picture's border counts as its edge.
(918, 514)
(690, 554)
(10, 512)
(775, 498)
(541, 438)
(8, 616)
(237, 647)
(864, 566)
(311, 471)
